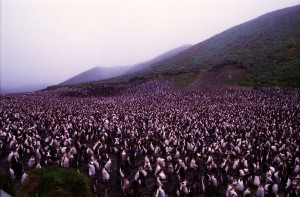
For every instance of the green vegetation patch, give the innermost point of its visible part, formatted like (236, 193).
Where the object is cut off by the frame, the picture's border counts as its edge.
(285, 74)
(55, 181)
(182, 80)
(185, 80)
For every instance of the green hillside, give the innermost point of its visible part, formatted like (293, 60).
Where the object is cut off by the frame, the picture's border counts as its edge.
(267, 48)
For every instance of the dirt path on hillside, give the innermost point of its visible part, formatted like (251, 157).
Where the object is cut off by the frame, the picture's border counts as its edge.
(220, 78)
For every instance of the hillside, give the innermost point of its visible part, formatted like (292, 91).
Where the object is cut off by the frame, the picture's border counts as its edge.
(164, 56)
(101, 73)
(264, 51)
(95, 74)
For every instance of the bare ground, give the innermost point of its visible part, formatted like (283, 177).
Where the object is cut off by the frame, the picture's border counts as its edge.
(224, 77)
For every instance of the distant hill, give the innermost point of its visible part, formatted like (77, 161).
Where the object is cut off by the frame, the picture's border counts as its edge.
(261, 52)
(95, 74)
(159, 58)
(23, 88)
(101, 73)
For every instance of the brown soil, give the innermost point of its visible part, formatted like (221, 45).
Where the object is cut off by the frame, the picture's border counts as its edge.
(222, 77)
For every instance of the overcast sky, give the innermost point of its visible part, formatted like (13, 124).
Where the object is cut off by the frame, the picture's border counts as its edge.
(45, 42)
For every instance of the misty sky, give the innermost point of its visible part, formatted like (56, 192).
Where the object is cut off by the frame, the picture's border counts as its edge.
(45, 42)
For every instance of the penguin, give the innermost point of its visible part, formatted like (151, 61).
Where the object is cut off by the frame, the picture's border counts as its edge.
(147, 164)
(65, 162)
(92, 170)
(235, 164)
(169, 158)
(38, 165)
(162, 175)
(260, 192)
(158, 181)
(31, 162)
(157, 170)
(160, 192)
(38, 154)
(193, 164)
(9, 157)
(170, 169)
(125, 186)
(297, 169)
(161, 162)
(121, 173)
(96, 164)
(247, 192)
(140, 176)
(12, 173)
(105, 175)
(275, 188)
(228, 190)
(213, 181)
(256, 181)
(240, 185)
(184, 190)
(24, 177)
(108, 165)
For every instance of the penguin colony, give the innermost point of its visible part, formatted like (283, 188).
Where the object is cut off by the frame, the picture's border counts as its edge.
(153, 140)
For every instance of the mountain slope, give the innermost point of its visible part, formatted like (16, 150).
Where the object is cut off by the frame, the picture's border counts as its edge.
(97, 73)
(101, 73)
(159, 58)
(266, 48)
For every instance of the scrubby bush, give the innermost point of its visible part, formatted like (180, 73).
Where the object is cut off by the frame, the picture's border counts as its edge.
(55, 181)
